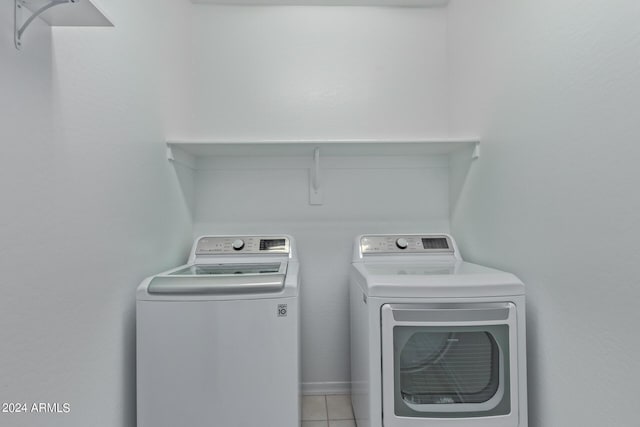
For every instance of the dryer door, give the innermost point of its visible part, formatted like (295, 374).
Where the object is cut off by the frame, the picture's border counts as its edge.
(452, 364)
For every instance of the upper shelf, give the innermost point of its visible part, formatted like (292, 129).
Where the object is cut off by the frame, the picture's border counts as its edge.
(353, 147)
(57, 13)
(187, 153)
(390, 3)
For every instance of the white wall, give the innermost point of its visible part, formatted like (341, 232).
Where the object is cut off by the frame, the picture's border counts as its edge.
(317, 72)
(553, 89)
(89, 206)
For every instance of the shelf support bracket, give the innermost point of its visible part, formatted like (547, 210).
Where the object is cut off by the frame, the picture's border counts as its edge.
(177, 156)
(315, 192)
(476, 151)
(18, 10)
(170, 155)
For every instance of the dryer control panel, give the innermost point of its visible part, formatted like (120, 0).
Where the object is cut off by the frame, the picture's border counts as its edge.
(395, 244)
(250, 245)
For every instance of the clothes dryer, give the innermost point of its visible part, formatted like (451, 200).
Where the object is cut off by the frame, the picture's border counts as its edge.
(435, 341)
(218, 338)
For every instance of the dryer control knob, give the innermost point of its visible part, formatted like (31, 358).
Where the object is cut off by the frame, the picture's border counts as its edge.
(237, 244)
(402, 243)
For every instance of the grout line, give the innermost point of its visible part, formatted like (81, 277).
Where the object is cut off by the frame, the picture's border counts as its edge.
(326, 408)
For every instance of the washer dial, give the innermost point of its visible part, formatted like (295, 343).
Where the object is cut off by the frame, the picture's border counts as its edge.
(402, 243)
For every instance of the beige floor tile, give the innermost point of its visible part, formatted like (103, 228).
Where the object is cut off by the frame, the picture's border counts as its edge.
(314, 424)
(314, 408)
(339, 407)
(342, 423)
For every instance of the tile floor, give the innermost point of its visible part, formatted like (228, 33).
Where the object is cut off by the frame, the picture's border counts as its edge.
(333, 410)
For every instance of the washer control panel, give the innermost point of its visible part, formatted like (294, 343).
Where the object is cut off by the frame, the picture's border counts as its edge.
(234, 245)
(395, 244)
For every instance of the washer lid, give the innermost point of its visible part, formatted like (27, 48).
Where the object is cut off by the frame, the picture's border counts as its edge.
(233, 269)
(216, 285)
(436, 279)
(221, 279)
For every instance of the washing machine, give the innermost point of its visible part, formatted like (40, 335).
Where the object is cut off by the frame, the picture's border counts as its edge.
(435, 340)
(218, 338)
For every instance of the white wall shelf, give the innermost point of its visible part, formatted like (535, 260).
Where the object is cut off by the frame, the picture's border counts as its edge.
(303, 148)
(187, 153)
(56, 13)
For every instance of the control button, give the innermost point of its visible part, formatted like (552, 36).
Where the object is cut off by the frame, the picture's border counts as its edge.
(402, 243)
(237, 244)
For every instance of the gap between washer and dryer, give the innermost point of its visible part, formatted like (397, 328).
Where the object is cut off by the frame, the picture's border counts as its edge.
(332, 410)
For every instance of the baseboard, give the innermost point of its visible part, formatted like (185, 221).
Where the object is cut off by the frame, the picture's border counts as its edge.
(329, 387)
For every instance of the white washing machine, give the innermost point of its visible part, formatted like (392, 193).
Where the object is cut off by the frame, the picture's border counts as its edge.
(218, 338)
(435, 341)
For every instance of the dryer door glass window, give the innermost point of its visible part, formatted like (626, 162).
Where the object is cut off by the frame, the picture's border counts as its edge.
(443, 371)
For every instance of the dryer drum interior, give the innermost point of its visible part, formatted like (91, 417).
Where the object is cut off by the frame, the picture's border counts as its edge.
(447, 370)
(449, 367)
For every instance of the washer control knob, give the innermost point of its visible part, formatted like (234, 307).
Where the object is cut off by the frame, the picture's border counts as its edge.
(237, 244)
(402, 243)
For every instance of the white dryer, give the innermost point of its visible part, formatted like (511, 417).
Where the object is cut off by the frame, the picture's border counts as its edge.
(218, 338)
(435, 341)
